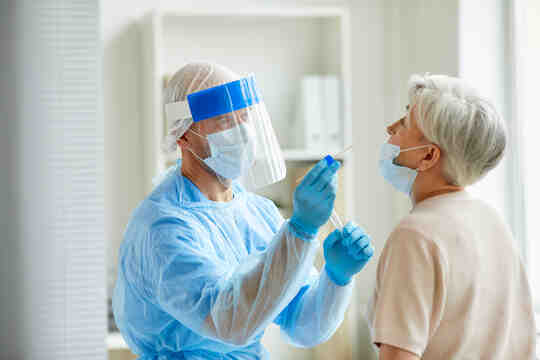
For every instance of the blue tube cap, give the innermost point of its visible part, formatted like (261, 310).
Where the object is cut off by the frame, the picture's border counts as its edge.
(329, 160)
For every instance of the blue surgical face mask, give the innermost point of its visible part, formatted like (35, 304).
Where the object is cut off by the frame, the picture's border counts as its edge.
(232, 151)
(400, 177)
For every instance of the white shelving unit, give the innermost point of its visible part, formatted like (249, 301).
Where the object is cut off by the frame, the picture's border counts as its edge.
(280, 46)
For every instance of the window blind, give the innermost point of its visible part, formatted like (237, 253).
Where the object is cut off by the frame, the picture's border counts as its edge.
(53, 287)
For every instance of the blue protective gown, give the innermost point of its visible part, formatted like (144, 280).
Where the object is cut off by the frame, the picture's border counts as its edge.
(199, 279)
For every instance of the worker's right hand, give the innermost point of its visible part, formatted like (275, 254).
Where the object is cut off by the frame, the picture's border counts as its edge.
(314, 197)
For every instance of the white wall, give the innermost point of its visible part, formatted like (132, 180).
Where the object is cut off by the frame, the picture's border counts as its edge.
(373, 204)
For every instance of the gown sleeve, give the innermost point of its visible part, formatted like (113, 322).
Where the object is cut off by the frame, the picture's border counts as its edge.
(228, 304)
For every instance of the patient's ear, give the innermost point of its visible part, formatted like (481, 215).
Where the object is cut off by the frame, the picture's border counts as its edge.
(432, 156)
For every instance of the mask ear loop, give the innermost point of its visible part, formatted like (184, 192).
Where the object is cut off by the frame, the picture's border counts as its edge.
(196, 133)
(415, 148)
(191, 150)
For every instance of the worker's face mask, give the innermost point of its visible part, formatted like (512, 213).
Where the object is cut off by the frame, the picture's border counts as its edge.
(400, 177)
(232, 151)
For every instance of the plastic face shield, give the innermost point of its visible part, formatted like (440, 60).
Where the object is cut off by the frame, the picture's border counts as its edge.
(236, 111)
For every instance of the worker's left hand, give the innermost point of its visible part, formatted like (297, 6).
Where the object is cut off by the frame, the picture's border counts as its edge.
(346, 252)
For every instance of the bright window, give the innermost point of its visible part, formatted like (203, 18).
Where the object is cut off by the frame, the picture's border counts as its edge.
(527, 58)
(500, 56)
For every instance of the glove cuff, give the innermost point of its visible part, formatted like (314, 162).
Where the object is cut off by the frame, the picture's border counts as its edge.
(336, 279)
(301, 231)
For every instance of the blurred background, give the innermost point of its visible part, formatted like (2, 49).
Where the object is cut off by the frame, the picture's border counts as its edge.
(82, 121)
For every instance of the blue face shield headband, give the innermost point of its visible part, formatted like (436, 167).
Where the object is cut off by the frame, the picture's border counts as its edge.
(216, 101)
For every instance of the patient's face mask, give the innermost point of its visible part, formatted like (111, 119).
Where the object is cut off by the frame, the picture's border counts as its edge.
(400, 177)
(232, 151)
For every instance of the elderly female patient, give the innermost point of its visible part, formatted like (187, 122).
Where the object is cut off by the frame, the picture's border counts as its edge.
(450, 282)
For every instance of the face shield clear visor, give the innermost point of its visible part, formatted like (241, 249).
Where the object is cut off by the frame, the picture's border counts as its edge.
(242, 141)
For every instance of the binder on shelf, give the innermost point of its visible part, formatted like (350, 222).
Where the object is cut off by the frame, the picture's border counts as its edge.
(308, 123)
(331, 113)
(318, 125)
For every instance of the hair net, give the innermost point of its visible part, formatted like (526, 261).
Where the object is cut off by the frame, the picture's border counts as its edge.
(191, 78)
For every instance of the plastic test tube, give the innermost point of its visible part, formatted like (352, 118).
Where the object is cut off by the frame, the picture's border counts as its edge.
(334, 217)
(336, 220)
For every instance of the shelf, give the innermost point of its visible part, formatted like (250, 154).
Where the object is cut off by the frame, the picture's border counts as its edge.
(115, 341)
(309, 155)
(256, 11)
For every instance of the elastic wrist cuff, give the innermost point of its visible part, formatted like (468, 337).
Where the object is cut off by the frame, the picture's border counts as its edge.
(300, 232)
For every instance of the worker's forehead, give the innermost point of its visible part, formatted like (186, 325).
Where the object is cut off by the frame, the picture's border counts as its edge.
(232, 115)
(226, 121)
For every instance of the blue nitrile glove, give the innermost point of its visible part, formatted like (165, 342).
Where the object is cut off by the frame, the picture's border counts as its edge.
(314, 198)
(346, 253)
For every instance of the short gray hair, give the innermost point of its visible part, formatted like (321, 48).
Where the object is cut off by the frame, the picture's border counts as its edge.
(466, 126)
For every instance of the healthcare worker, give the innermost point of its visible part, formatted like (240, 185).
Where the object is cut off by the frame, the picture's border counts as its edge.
(205, 265)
